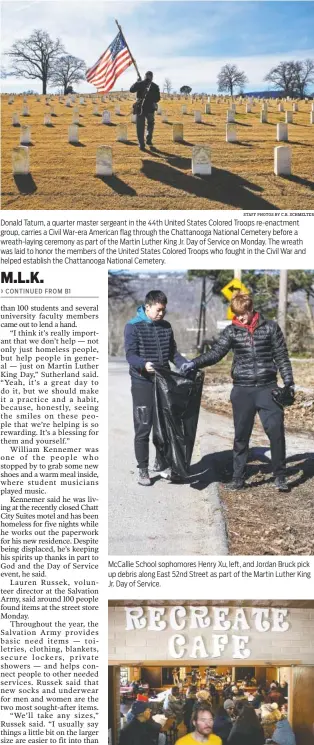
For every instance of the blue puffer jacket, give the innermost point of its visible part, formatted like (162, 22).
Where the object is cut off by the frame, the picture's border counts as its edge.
(283, 734)
(149, 341)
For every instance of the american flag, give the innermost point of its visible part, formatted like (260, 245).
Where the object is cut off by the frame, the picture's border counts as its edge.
(110, 65)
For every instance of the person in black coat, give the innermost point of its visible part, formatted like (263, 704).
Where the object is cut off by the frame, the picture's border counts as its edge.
(141, 730)
(246, 730)
(222, 724)
(259, 351)
(148, 95)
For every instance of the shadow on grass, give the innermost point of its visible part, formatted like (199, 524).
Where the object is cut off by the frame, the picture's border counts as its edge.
(302, 181)
(117, 185)
(49, 126)
(128, 142)
(241, 144)
(222, 186)
(109, 124)
(77, 144)
(25, 183)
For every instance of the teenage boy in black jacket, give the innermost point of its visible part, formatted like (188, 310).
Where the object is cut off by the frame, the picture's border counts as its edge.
(148, 95)
(259, 351)
(148, 340)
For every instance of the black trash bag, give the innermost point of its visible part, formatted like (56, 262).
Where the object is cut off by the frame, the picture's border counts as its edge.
(177, 401)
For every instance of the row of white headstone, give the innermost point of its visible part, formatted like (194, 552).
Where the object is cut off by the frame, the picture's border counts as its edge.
(177, 130)
(201, 160)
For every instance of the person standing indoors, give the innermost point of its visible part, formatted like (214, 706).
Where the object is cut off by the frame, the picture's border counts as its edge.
(202, 727)
(149, 341)
(148, 95)
(259, 351)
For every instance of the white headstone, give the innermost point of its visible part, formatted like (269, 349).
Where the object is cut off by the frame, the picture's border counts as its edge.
(248, 108)
(281, 106)
(184, 109)
(197, 116)
(73, 135)
(24, 99)
(25, 136)
(201, 163)
(25, 110)
(312, 117)
(20, 160)
(233, 107)
(263, 116)
(47, 120)
(117, 110)
(177, 132)
(95, 110)
(75, 117)
(82, 100)
(37, 99)
(295, 107)
(164, 117)
(10, 99)
(312, 106)
(104, 161)
(159, 110)
(289, 117)
(68, 103)
(282, 132)
(15, 119)
(230, 115)
(231, 132)
(122, 133)
(106, 117)
(207, 108)
(52, 111)
(282, 160)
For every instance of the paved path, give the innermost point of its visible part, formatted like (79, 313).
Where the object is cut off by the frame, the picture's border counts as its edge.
(171, 519)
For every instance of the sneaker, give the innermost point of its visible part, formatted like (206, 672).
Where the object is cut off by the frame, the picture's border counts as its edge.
(236, 485)
(149, 142)
(143, 477)
(281, 483)
(170, 476)
(142, 147)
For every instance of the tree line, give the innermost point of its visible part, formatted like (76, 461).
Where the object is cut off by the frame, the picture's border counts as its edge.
(39, 57)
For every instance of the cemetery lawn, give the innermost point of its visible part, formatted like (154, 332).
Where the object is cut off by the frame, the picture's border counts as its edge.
(63, 175)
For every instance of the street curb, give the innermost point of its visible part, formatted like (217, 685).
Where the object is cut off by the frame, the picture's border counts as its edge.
(219, 540)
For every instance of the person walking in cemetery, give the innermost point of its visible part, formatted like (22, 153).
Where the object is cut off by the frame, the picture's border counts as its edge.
(148, 95)
(202, 731)
(259, 351)
(149, 341)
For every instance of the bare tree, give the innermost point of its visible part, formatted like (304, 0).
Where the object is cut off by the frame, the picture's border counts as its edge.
(34, 57)
(230, 78)
(283, 77)
(304, 74)
(167, 85)
(68, 70)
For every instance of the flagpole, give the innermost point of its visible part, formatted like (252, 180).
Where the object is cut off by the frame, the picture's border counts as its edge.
(128, 48)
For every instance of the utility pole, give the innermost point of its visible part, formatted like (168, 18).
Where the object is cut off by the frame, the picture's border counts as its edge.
(282, 304)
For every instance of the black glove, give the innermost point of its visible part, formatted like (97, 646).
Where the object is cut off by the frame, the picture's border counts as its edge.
(284, 396)
(187, 367)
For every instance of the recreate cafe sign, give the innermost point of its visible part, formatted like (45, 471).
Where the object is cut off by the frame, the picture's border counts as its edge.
(218, 626)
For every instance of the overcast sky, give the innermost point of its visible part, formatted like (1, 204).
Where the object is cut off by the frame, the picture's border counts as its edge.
(185, 41)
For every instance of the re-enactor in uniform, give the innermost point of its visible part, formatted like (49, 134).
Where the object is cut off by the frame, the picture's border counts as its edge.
(148, 95)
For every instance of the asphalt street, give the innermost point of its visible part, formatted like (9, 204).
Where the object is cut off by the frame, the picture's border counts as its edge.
(165, 518)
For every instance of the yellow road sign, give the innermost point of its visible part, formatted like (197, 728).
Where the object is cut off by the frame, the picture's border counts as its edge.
(232, 286)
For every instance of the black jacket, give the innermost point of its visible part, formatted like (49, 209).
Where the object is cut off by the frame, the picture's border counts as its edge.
(140, 733)
(147, 94)
(241, 735)
(222, 727)
(257, 357)
(149, 341)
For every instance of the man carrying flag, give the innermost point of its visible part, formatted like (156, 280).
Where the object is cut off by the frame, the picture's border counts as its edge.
(148, 95)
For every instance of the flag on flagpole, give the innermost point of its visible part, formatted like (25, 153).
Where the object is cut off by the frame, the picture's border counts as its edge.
(110, 65)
